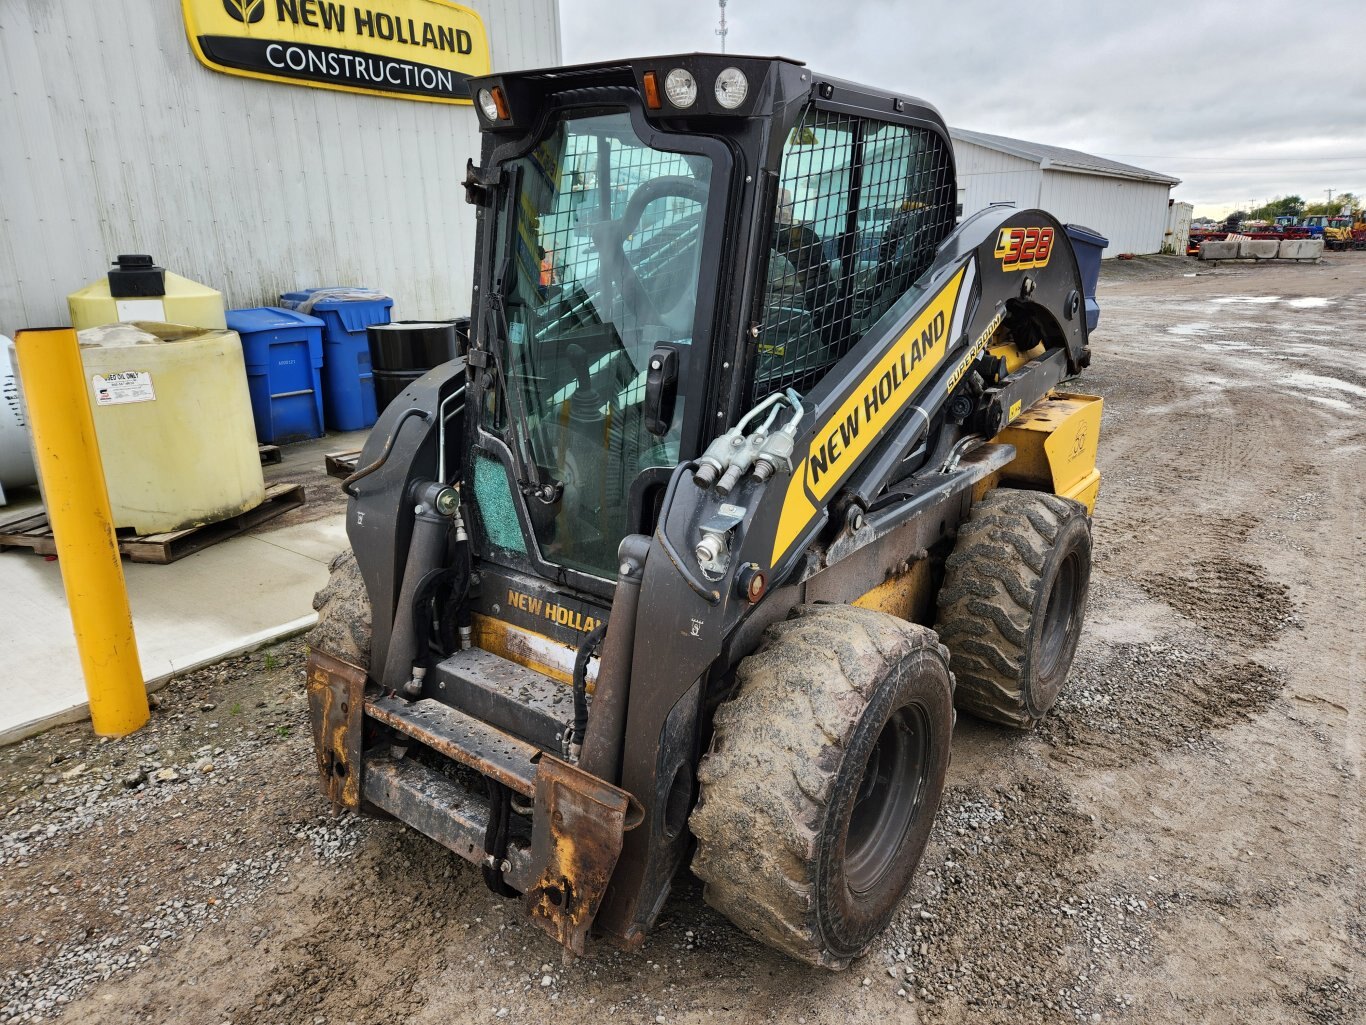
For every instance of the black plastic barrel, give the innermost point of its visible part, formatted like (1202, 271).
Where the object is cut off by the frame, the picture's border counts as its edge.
(404, 350)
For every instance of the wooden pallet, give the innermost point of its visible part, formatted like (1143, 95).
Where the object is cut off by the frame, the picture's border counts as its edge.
(342, 464)
(33, 531)
(270, 454)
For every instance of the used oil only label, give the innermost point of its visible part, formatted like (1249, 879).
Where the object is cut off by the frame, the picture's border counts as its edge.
(122, 386)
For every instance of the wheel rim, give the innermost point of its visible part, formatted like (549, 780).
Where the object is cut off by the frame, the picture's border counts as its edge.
(888, 798)
(1059, 616)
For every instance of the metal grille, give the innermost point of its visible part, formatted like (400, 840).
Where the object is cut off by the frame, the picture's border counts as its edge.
(861, 207)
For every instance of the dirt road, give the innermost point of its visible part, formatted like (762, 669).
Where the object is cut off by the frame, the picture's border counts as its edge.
(1180, 842)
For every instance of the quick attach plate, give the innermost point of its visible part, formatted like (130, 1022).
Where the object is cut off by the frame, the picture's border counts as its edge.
(576, 839)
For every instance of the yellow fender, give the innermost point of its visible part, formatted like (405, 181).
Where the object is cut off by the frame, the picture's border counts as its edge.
(1055, 447)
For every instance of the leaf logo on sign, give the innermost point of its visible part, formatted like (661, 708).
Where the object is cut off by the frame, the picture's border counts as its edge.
(249, 12)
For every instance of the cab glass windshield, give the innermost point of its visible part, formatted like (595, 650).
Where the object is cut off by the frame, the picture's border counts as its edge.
(599, 257)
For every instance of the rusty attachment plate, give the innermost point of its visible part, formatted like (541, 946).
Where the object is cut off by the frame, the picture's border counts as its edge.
(336, 707)
(575, 841)
(463, 738)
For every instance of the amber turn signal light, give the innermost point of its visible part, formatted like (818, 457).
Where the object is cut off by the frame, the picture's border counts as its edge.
(652, 91)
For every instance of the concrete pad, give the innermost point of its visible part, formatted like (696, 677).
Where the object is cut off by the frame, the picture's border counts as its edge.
(308, 453)
(319, 540)
(226, 599)
(232, 597)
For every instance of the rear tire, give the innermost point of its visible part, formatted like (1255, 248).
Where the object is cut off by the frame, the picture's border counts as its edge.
(343, 608)
(1013, 602)
(823, 779)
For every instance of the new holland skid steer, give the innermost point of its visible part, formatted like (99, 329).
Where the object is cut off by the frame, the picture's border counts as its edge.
(752, 452)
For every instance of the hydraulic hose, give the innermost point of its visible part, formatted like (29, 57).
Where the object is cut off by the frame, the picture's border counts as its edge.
(590, 644)
(349, 485)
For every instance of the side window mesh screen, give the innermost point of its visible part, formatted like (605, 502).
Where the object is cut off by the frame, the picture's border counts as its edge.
(861, 207)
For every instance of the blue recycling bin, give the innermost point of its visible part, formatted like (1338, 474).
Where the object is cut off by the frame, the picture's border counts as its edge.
(348, 383)
(1088, 244)
(283, 351)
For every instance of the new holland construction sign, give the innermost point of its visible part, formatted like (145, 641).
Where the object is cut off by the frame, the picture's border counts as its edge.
(412, 49)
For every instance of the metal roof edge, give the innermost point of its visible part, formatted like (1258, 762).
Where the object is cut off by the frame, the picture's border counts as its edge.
(980, 139)
(1138, 174)
(1026, 150)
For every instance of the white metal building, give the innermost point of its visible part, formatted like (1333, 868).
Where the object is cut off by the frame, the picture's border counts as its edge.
(114, 138)
(1128, 205)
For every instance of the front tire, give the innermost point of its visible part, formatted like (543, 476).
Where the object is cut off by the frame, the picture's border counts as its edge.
(343, 607)
(1013, 602)
(823, 779)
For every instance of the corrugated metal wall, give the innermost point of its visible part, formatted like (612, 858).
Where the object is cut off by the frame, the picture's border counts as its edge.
(1131, 214)
(114, 139)
(987, 176)
(1178, 233)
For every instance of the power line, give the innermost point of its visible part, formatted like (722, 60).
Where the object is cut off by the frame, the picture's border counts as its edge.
(1236, 156)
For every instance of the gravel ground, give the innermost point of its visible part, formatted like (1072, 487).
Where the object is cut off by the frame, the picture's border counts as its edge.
(1180, 841)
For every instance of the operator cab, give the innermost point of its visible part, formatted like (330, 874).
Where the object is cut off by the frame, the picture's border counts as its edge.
(663, 242)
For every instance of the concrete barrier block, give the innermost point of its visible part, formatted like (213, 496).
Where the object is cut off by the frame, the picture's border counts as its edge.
(1301, 248)
(1259, 249)
(1218, 250)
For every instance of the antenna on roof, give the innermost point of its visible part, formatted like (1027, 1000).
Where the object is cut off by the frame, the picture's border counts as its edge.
(723, 31)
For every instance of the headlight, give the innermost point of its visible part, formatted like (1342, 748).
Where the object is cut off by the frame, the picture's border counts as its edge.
(489, 105)
(731, 88)
(681, 88)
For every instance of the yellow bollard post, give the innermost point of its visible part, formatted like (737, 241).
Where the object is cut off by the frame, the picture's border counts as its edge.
(83, 525)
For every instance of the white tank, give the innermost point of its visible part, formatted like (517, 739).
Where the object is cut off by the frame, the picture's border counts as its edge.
(173, 417)
(159, 296)
(16, 452)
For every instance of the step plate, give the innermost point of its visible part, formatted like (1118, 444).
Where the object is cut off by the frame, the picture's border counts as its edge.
(511, 697)
(461, 737)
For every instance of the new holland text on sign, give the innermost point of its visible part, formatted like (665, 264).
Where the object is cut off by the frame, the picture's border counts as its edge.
(413, 49)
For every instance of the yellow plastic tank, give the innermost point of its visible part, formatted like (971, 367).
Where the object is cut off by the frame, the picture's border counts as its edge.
(173, 417)
(137, 290)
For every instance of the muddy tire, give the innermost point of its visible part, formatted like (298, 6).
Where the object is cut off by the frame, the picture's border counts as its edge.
(1013, 601)
(822, 780)
(343, 608)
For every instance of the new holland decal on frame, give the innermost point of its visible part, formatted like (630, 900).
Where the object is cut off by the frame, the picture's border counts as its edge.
(411, 49)
(842, 437)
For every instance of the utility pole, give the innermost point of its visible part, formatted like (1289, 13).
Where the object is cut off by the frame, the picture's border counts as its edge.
(723, 31)
(1330, 196)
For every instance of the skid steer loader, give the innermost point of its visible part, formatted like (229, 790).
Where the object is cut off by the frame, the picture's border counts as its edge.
(749, 447)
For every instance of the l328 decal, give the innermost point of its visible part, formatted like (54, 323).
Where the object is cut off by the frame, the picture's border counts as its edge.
(1023, 248)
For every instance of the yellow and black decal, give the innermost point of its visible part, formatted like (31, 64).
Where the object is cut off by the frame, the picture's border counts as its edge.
(846, 432)
(410, 49)
(1023, 248)
(975, 350)
(535, 606)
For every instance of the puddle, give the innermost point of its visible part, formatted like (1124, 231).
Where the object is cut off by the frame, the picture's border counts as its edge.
(1308, 302)
(1302, 380)
(1189, 329)
(1341, 405)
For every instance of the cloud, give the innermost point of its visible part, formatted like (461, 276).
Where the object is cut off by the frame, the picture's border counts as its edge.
(1241, 100)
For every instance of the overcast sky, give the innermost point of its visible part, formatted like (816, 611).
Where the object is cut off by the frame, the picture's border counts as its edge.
(1241, 100)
